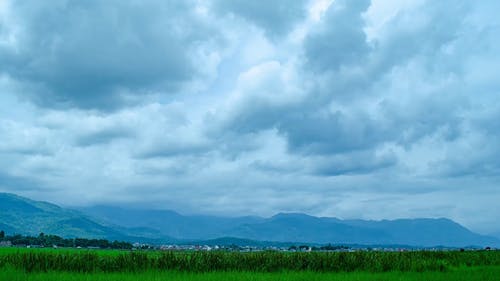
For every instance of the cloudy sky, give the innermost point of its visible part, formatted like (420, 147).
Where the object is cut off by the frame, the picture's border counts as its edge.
(353, 109)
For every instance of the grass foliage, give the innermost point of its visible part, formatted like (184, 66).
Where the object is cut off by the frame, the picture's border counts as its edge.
(458, 274)
(85, 261)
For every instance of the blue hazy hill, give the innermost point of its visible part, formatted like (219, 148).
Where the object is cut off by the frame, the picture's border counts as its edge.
(297, 227)
(171, 223)
(20, 215)
(25, 216)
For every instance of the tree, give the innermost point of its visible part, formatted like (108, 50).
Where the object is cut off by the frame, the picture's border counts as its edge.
(2, 234)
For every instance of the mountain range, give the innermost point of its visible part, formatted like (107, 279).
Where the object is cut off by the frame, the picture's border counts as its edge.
(25, 216)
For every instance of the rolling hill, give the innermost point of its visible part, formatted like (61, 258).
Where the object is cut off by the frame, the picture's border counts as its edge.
(25, 216)
(20, 215)
(169, 222)
(296, 227)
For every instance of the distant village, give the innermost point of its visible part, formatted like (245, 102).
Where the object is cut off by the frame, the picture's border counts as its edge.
(302, 248)
(54, 241)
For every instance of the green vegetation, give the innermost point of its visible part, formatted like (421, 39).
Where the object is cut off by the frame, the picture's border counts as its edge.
(45, 264)
(459, 274)
(22, 215)
(48, 260)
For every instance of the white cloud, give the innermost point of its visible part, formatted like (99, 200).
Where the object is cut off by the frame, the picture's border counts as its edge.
(349, 109)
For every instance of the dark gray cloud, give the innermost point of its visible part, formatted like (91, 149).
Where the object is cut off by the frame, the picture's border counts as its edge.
(97, 54)
(14, 183)
(340, 40)
(355, 70)
(167, 150)
(332, 133)
(351, 64)
(479, 154)
(360, 162)
(277, 18)
(104, 136)
(426, 33)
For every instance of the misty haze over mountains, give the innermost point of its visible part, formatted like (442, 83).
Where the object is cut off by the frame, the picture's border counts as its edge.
(25, 216)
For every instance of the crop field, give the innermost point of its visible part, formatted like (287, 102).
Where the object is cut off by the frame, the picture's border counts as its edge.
(73, 264)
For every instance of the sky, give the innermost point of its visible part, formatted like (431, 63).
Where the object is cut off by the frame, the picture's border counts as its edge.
(352, 109)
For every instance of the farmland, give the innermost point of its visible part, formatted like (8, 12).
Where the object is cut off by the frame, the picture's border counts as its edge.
(462, 274)
(72, 264)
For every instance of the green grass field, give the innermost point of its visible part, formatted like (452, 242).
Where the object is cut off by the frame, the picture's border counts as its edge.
(110, 265)
(461, 274)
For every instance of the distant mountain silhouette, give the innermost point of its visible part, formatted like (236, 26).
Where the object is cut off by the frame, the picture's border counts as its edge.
(170, 223)
(297, 227)
(25, 216)
(19, 215)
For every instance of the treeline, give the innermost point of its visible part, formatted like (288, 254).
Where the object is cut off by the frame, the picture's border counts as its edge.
(44, 240)
(197, 261)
